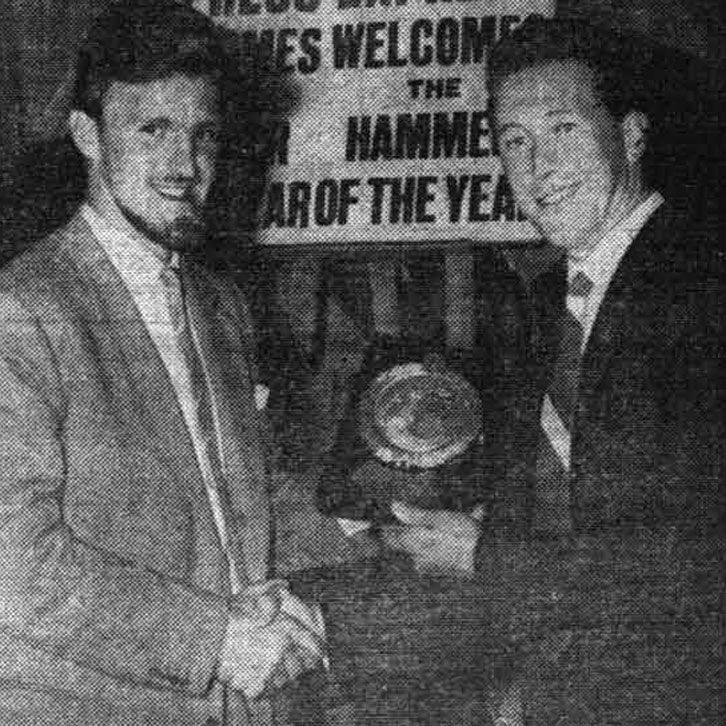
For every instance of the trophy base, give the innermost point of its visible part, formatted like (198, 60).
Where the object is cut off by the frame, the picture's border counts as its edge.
(372, 486)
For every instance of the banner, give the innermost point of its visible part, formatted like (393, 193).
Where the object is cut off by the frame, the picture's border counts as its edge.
(386, 136)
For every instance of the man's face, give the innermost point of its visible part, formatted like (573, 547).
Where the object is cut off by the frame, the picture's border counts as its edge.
(157, 156)
(563, 153)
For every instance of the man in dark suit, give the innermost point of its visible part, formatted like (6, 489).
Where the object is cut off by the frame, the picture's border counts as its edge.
(600, 553)
(135, 527)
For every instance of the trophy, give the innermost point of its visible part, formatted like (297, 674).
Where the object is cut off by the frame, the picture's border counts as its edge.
(412, 417)
(410, 435)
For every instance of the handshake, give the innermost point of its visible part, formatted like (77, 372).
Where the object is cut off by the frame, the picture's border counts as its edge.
(272, 638)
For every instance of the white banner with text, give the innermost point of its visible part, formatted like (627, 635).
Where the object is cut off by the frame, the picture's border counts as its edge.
(386, 138)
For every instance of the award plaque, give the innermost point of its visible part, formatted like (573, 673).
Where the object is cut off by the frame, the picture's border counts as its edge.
(412, 417)
(412, 434)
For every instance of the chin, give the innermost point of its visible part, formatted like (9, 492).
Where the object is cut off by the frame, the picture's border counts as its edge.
(577, 243)
(564, 230)
(186, 233)
(554, 233)
(183, 236)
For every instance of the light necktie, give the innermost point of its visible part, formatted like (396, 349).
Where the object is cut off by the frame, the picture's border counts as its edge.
(173, 279)
(552, 487)
(176, 300)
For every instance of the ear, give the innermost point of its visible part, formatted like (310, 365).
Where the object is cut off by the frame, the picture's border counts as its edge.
(84, 132)
(635, 126)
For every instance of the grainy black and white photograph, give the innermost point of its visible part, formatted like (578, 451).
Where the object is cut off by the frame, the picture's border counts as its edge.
(362, 363)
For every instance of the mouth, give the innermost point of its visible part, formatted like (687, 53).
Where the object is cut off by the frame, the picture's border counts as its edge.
(556, 196)
(175, 192)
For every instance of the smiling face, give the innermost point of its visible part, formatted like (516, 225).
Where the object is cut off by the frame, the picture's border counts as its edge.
(152, 157)
(574, 170)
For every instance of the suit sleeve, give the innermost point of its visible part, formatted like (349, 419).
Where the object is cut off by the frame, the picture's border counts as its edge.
(624, 626)
(59, 593)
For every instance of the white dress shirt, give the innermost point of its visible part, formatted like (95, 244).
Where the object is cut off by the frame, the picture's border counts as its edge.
(140, 265)
(599, 266)
(601, 263)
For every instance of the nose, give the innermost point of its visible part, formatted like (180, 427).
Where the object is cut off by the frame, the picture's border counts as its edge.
(544, 158)
(181, 160)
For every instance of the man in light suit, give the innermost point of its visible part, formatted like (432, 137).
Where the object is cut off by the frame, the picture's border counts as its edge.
(135, 524)
(600, 554)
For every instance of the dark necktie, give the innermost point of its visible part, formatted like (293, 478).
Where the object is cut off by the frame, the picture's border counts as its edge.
(552, 487)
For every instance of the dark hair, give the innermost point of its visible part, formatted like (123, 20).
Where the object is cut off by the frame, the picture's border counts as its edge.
(539, 40)
(136, 42)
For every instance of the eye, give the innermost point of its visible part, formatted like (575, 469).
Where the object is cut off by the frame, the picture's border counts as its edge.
(154, 129)
(514, 142)
(564, 127)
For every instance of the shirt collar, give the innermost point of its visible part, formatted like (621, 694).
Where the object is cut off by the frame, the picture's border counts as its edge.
(603, 260)
(137, 259)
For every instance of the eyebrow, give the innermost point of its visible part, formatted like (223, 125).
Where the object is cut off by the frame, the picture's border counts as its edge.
(167, 121)
(510, 125)
(559, 112)
(555, 112)
(163, 120)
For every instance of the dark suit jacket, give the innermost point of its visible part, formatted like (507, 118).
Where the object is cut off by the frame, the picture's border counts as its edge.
(113, 585)
(635, 589)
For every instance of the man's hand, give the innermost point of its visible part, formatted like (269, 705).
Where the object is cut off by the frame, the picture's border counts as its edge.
(272, 643)
(438, 540)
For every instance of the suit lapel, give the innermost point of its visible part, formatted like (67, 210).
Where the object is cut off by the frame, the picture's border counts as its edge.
(625, 303)
(126, 350)
(136, 378)
(227, 359)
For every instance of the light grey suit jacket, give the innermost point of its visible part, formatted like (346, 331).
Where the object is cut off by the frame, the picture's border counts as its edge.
(112, 579)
